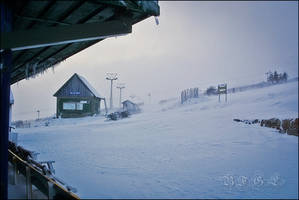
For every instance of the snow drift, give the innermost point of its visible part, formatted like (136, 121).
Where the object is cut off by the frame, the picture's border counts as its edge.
(170, 150)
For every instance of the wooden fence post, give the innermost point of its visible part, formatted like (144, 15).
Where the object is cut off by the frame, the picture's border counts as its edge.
(15, 171)
(51, 192)
(226, 97)
(28, 183)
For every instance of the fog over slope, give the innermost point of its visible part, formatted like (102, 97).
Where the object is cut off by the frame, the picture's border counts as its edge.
(196, 44)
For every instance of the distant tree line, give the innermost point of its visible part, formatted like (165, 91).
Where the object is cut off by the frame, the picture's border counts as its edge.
(274, 77)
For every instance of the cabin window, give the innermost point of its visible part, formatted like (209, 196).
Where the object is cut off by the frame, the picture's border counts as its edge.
(72, 106)
(69, 106)
(79, 106)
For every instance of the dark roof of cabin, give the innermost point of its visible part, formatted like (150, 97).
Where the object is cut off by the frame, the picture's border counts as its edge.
(89, 87)
(128, 101)
(35, 15)
(84, 82)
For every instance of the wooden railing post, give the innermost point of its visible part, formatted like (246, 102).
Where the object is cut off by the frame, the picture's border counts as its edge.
(15, 171)
(28, 183)
(51, 191)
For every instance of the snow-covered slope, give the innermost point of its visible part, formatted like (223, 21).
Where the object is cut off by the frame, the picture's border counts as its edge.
(194, 150)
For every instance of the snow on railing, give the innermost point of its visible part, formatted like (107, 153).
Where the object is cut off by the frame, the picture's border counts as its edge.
(39, 174)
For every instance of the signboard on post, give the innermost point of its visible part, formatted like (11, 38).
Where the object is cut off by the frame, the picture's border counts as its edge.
(222, 89)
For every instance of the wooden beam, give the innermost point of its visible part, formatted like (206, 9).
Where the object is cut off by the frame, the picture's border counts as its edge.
(42, 13)
(60, 19)
(80, 21)
(49, 36)
(41, 20)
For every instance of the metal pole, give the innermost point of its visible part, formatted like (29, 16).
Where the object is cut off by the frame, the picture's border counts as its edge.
(111, 101)
(37, 114)
(112, 77)
(105, 106)
(119, 97)
(120, 88)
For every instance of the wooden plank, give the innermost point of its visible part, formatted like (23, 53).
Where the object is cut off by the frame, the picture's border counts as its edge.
(33, 38)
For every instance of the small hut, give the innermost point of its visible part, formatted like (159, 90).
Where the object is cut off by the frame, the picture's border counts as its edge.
(77, 98)
(130, 107)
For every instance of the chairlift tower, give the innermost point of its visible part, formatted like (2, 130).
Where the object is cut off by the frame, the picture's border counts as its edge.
(111, 77)
(120, 87)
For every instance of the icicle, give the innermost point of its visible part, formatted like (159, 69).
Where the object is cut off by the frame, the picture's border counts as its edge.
(157, 20)
(53, 69)
(34, 69)
(26, 71)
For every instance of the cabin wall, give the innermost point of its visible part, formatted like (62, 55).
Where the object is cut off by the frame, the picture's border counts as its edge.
(70, 107)
(130, 107)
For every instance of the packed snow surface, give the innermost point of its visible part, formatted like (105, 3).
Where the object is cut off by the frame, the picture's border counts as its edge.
(194, 150)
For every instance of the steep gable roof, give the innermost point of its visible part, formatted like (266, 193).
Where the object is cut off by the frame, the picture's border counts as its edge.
(84, 82)
(87, 84)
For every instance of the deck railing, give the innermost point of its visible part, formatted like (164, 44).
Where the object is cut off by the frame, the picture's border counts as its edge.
(38, 175)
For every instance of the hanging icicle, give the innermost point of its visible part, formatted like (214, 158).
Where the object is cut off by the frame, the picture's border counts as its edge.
(34, 66)
(157, 20)
(27, 71)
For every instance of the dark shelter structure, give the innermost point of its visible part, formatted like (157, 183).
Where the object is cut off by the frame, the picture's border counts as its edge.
(77, 98)
(130, 107)
(36, 35)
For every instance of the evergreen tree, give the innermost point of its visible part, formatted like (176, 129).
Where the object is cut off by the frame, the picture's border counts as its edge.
(285, 76)
(271, 77)
(275, 77)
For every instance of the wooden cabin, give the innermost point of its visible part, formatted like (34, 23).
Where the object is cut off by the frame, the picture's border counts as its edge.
(77, 98)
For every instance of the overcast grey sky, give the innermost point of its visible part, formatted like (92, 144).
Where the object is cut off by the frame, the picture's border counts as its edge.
(196, 44)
